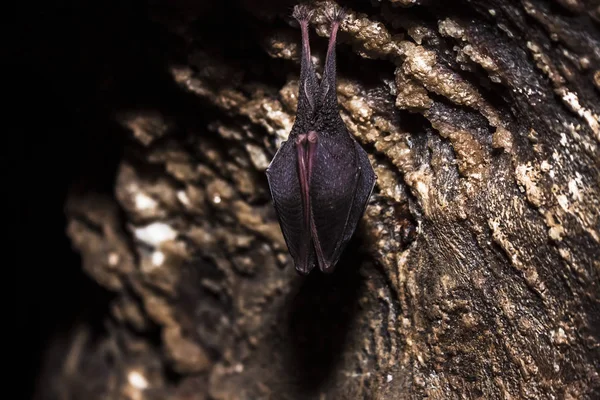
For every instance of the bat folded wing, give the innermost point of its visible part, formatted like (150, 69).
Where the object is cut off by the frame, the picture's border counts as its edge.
(286, 192)
(342, 180)
(364, 188)
(319, 193)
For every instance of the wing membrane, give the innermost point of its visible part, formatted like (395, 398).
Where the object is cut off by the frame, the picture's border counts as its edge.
(333, 187)
(286, 192)
(364, 188)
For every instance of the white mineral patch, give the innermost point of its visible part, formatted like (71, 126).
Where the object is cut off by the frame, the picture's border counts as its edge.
(282, 118)
(563, 202)
(183, 197)
(113, 259)
(137, 380)
(158, 258)
(563, 139)
(450, 28)
(422, 64)
(545, 166)
(572, 101)
(144, 202)
(155, 233)
(257, 156)
(574, 190)
(360, 109)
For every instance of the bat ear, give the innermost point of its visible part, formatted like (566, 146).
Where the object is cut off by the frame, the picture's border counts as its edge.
(327, 90)
(308, 86)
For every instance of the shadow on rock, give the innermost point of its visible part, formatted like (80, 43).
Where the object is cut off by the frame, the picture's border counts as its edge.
(320, 317)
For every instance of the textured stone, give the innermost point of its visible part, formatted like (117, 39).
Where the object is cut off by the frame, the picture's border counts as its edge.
(475, 271)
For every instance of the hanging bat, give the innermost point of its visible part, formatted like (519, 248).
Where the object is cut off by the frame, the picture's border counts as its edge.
(320, 178)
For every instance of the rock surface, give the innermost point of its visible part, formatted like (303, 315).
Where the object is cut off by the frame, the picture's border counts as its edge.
(475, 272)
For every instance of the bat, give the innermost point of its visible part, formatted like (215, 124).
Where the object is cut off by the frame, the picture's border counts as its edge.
(320, 178)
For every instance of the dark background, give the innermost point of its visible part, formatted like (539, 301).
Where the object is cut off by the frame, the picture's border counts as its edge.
(75, 62)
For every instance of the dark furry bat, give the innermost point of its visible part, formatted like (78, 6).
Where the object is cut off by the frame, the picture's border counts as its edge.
(320, 178)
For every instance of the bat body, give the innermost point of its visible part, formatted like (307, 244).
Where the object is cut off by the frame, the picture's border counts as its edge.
(320, 178)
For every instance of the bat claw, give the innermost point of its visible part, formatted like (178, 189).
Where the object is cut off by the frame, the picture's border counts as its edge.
(336, 14)
(302, 13)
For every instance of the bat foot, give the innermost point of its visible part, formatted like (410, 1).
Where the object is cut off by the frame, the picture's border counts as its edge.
(336, 15)
(302, 13)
